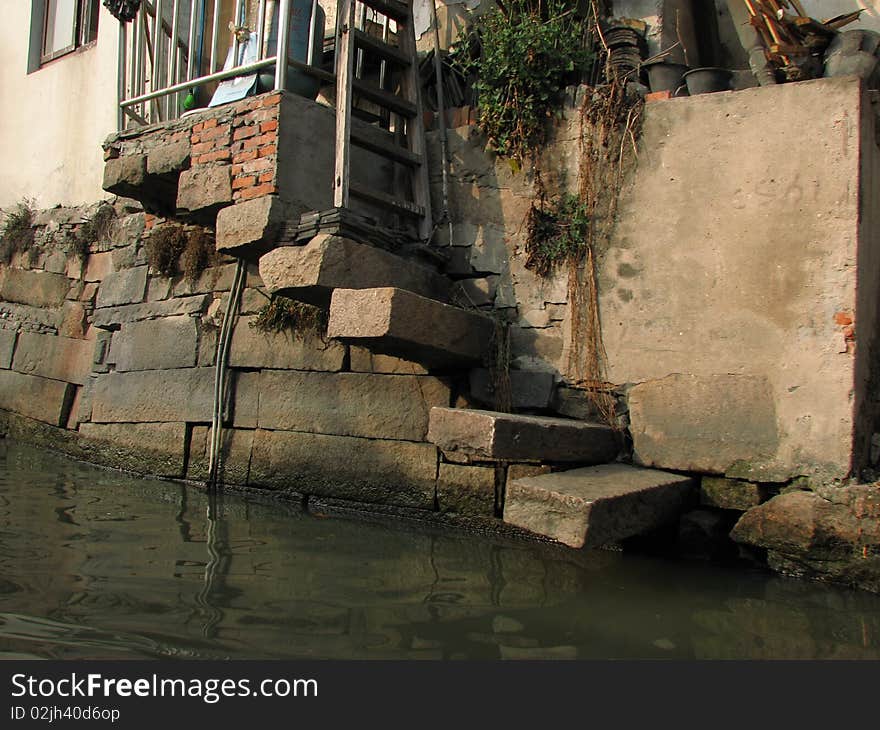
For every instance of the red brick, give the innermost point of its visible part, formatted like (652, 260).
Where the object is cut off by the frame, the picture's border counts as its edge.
(658, 96)
(202, 147)
(256, 191)
(245, 156)
(268, 150)
(243, 182)
(269, 138)
(208, 123)
(219, 131)
(267, 177)
(258, 165)
(251, 143)
(244, 132)
(843, 318)
(198, 127)
(269, 126)
(215, 156)
(272, 100)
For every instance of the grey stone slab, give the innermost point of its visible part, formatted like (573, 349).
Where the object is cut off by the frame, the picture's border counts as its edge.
(366, 470)
(154, 396)
(38, 398)
(402, 324)
(33, 288)
(527, 389)
(204, 186)
(123, 287)
(28, 315)
(596, 505)
(251, 227)
(251, 348)
(53, 356)
(169, 158)
(98, 266)
(350, 404)
(165, 343)
(487, 435)
(328, 262)
(111, 316)
(234, 464)
(361, 360)
(156, 449)
(125, 175)
(7, 345)
(468, 490)
(245, 398)
(74, 321)
(734, 494)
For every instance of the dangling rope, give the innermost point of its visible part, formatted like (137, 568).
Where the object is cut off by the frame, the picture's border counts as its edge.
(220, 372)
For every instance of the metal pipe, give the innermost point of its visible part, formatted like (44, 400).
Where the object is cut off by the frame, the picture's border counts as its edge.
(190, 54)
(175, 30)
(267, 30)
(215, 33)
(142, 56)
(188, 83)
(237, 22)
(120, 76)
(159, 56)
(313, 17)
(441, 113)
(283, 43)
(261, 22)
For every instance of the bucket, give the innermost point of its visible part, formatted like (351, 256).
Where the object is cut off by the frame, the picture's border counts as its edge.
(298, 49)
(665, 76)
(707, 80)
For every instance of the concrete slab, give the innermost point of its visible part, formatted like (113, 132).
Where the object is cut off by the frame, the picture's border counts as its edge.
(596, 505)
(399, 323)
(311, 272)
(491, 436)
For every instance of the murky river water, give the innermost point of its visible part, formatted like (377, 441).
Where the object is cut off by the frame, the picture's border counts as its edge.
(95, 564)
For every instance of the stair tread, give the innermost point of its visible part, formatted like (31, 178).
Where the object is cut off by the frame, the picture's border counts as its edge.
(386, 201)
(378, 47)
(385, 99)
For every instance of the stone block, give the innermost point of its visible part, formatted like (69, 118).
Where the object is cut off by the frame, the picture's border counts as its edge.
(251, 227)
(112, 316)
(236, 446)
(245, 398)
(396, 322)
(123, 287)
(251, 348)
(253, 299)
(521, 471)
(350, 404)
(213, 279)
(169, 158)
(7, 346)
(158, 288)
(156, 449)
(361, 360)
(154, 396)
(125, 175)
(527, 390)
(98, 265)
(328, 262)
(723, 424)
(32, 316)
(489, 436)
(56, 263)
(537, 350)
(33, 288)
(38, 398)
(467, 490)
(365, 470)
(73, 320)
(157, 344)
(124, 257)
(574, 403)
(475, 292)
(731, 493)
(53, 356)
(204, 187)
(596, 505)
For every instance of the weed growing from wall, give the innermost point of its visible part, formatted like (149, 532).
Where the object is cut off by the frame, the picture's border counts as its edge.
(199, 254)
(16, 231)
(93, 229)
(164, 246)
(282, 314)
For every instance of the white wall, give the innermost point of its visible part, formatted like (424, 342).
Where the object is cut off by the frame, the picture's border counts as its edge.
(52, 121)
(825, 9)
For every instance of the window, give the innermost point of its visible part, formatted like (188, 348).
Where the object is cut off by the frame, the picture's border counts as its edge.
(59, 27)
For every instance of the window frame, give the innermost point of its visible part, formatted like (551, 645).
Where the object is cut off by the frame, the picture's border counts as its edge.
(85, 31)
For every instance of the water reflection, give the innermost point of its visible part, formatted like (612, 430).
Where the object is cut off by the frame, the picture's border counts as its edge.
(96, 564)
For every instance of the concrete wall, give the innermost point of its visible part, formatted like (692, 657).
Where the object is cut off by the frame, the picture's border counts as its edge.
(54, 119)
(730, 288)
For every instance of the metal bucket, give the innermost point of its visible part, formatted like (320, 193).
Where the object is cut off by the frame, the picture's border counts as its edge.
(707, 80)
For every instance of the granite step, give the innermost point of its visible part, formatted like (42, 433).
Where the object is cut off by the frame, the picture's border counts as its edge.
(596, 505)
(393, 321)
(475, 435)
(311, 272)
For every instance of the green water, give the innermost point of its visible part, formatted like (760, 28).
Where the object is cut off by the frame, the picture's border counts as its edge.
(95, 564)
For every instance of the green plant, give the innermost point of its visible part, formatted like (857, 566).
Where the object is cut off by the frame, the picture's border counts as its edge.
(164, 247)
(523, 54)
(92, 230)
(283, 314)
(16, 232)
(199, 253)
(558, 232)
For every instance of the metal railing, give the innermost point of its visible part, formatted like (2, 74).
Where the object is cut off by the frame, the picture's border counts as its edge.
(165, 49)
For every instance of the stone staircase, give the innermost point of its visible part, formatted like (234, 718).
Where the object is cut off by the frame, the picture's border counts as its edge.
(396, 306)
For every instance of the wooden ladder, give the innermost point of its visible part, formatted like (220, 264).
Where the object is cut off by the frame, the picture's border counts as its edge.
(409, 158)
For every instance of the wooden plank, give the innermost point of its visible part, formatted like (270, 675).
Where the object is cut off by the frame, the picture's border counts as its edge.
(384, 51)
(345, 72)
(394, 9)
(375, 141)
(387, 201)
(398, 104)
(410, 86)
(842, 20)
